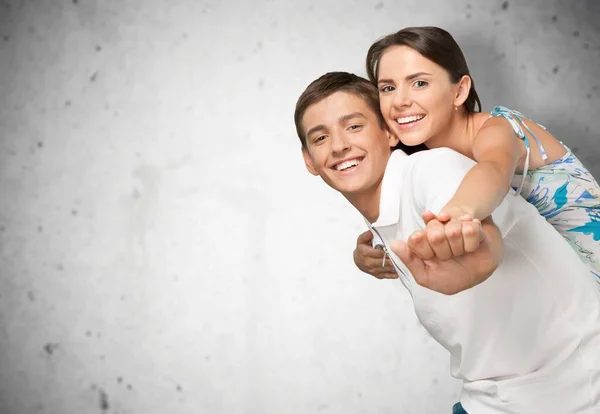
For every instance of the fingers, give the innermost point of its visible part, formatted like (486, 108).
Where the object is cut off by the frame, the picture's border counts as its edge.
(367, 258)
(427, 216)
(369, 252)
(444, 216)
(387, 271)
(436, 235)
(415, 265)
(387, 274)
(472, 234)
(419, 245)
(455, 236)
(448, 213)
(365, 238)
(443, 241)
(370, 260)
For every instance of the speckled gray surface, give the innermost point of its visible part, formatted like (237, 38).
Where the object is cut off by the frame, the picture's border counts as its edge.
(159, 249)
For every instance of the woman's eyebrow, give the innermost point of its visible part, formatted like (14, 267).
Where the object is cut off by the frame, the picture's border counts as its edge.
(409, 77)
(416, 75)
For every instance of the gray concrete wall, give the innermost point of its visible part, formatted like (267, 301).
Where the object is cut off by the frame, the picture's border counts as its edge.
(159, 249)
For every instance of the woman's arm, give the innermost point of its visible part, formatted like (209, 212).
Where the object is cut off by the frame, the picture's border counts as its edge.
(497, 151)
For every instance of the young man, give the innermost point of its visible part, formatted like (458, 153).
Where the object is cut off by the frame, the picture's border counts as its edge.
(524, 340)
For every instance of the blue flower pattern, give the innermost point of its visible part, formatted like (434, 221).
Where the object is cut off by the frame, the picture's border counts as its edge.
(565, 194)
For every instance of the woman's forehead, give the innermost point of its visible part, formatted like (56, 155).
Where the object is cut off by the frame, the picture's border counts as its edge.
(403, 61)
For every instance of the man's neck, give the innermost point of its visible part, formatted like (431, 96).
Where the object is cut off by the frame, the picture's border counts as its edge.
(367, 202)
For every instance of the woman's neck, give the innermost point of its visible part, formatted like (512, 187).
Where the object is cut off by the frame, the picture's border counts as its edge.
(460, 133)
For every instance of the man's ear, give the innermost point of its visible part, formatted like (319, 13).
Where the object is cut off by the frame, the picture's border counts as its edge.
(310, 166)
(462, 90)
(391, 137)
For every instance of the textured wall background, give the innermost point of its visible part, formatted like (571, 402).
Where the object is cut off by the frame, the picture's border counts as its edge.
(160, 251)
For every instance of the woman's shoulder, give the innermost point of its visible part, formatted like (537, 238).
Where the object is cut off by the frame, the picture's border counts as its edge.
(500, 115)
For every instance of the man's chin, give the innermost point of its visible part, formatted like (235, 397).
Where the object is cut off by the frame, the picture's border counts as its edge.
(350, 185)
(352, 190)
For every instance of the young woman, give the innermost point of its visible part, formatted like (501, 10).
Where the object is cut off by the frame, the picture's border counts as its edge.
(427, 97)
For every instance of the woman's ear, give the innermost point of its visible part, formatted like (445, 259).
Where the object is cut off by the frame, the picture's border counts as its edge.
(463, 87)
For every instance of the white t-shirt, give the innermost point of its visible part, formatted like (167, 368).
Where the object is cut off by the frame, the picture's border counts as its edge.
(527, 340)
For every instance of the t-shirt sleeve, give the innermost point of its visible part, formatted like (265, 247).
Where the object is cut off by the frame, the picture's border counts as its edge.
(437, 175)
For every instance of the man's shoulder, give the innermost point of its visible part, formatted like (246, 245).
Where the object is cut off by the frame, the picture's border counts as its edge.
(436, 154)
(438, 160)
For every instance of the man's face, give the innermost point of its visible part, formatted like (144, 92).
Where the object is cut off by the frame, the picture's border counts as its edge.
(346, 146)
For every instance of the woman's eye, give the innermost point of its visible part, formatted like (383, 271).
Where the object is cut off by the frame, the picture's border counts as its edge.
(420, 84)
(387, 88)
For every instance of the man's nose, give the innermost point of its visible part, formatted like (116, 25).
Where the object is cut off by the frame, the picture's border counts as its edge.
(339, 143)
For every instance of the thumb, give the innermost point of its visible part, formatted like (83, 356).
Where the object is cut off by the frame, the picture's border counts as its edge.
(365, 238)
(415, 265)
(427, 216)
(483, 237)
(443, 217)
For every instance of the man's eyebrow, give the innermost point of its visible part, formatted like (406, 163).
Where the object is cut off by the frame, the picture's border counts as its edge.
(344, 118)
(409, 77)
(353, 115)
(318, 128)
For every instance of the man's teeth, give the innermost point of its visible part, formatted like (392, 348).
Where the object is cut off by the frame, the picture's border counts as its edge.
(408, 119)
(346, 164)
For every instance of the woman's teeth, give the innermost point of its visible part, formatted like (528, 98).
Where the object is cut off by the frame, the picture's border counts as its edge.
(409, 119)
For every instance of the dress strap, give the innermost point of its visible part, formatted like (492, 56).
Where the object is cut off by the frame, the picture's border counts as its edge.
(515, 118)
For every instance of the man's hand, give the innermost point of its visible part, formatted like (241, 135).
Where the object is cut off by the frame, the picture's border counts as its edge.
(449, 237)
(455, 273)
(370, 260)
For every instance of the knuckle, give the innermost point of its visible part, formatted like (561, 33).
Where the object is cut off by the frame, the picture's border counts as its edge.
(434, 223)
(468, 231)
(453, 233)
(437, 239)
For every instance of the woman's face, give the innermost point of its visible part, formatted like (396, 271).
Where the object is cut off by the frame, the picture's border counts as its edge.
(417, 98)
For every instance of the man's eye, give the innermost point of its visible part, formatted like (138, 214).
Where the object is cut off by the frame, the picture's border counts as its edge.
(420, 84)
(353, 127)
(387, 88)
(320, 138)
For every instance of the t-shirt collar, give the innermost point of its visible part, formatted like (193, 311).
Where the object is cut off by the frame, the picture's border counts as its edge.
(391, 188)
